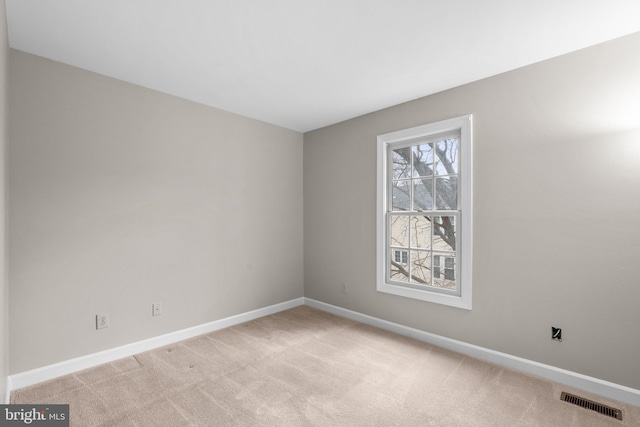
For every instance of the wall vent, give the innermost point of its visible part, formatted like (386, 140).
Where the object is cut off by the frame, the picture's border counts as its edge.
(590, 404)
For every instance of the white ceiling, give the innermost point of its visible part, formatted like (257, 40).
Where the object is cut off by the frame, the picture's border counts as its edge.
(305, 64)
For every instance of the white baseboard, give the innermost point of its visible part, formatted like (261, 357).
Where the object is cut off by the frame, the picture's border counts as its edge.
(606, 389)
(45, 373)
(7, 391)
(602, 388)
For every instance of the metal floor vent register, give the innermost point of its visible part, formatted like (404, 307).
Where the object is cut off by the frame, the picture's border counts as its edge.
(590, 404)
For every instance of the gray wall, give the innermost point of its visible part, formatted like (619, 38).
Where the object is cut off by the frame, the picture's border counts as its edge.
(120, 197)
(4, 297)
(557, 212)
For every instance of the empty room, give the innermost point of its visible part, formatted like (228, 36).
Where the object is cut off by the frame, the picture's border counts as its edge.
(320, 213)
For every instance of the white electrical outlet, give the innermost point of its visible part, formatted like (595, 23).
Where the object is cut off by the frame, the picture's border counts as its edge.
(102, 321)
(156, 309)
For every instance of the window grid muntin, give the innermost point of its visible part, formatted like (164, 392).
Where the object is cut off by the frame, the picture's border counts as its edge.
(432, 213)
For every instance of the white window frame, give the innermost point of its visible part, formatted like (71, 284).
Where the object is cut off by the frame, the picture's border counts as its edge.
(464, 214)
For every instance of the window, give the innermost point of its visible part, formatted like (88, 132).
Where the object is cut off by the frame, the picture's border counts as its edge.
(449, 273)
(424, 212)
(401, 257)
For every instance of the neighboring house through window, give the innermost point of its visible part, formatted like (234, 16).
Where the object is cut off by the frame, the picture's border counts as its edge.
(424, 212)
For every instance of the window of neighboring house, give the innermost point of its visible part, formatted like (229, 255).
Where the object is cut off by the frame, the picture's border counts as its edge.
(401, 257)
(424, 212)
(448, 271)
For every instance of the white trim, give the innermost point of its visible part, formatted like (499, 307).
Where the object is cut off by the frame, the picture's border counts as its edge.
(7, 391)
(606, 389)
(464, 254)
(25, 379)
(593, 385)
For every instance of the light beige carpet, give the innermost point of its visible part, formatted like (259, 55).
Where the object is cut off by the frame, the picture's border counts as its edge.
(305, 367)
